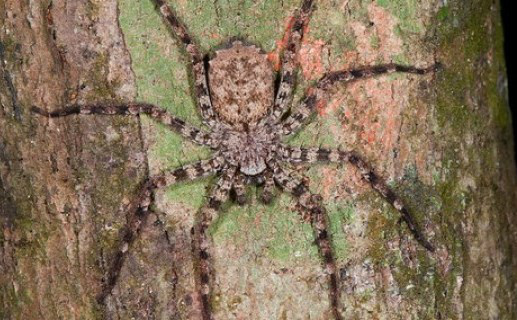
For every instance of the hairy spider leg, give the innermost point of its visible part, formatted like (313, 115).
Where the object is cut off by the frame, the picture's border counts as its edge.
(239, 186)
(186, 130)
(319, 222)
(201, 241)
(202, 93)
(308, 105)
(288, 76)
(312, 155)
(139, 208)
(268, 191)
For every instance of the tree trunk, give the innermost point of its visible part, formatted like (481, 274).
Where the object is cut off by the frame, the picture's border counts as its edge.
(443, 141)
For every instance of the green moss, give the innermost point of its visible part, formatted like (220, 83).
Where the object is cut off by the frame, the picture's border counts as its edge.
(459, 79)
(443, 13)
(466, 48)
(320, 131)
(190, 194)
(272, 229)
(97, 79)
(340, 214)
(407, 13)
(374, 42)
(257, 21)
(330, 26)
(159, 67)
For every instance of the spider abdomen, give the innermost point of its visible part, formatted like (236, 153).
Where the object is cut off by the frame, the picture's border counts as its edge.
(241, 85)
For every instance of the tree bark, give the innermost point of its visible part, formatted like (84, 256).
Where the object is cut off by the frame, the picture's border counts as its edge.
(443, 141)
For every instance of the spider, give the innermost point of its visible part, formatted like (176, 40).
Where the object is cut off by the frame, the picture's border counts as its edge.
(247, 116)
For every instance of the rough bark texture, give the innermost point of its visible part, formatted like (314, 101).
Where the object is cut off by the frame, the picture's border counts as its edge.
(443, 141)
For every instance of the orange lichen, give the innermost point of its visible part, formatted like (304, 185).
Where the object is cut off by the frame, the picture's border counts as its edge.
(310, 59)
(328, 182)
(321, 107)
(274, 56)
(214, 35)
(378, 114)
(332, 105)
(387, 43)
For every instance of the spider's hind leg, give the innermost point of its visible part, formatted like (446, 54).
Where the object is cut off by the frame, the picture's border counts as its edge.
(138, 209)
(312, 155)
(201, 241)
(239, 187)
(317, 216)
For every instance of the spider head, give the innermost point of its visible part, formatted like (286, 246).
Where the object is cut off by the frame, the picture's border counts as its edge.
(249, 151)
(241, 83)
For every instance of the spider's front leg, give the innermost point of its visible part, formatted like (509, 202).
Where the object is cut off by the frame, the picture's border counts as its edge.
(308, 105)
(139, 208)
(312, 155)
(201, 241)
(288, 74)
(196, 58)
(188, 131)
(317, 216)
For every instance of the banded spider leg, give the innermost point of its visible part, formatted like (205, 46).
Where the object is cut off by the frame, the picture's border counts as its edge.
(139, 207)
(196, 59)
(317, 216)
(201, 240)
(313, 155)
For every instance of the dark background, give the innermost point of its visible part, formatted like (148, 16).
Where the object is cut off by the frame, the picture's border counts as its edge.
(508, 25)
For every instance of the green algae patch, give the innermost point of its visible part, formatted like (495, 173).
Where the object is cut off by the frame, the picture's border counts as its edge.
(330, 26)
(407, 13)
(273, 230)
(443, 13)
(191, 194)
(158, 63)
(340, 213)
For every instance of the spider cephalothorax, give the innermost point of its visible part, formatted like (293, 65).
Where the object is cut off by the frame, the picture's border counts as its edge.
(249, 150)
(247, 119)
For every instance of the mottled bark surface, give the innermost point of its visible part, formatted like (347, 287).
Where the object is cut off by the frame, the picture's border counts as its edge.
(443, 142)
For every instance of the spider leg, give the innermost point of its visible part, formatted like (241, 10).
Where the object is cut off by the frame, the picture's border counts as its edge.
(319, 221)
(268, 192)
(201, 240)
(239, 186)
(308, 104)
(285, 88)
(139, 208)
(311, 155)
(186, 130)
(196, 58)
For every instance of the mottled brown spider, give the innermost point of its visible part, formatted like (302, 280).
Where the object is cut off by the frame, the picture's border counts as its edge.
(247, 117)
